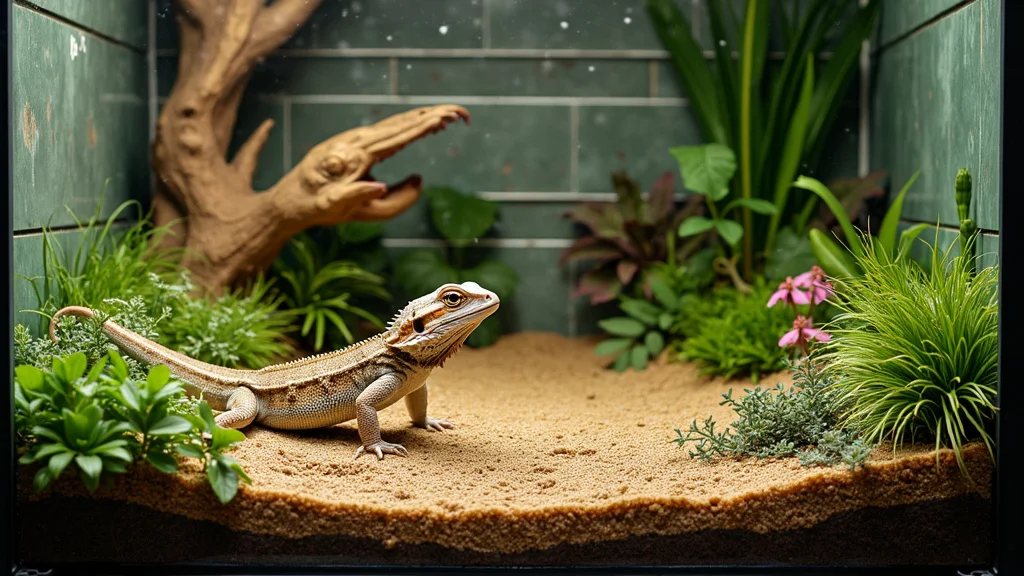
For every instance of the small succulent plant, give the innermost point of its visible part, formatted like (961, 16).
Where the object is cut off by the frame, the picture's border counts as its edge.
(968, 229)
(627, 237)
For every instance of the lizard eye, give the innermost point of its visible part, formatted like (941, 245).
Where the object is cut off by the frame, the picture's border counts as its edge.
(452, 299)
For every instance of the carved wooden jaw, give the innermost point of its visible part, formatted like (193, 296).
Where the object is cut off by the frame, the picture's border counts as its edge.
(340, 167)
(433, 327)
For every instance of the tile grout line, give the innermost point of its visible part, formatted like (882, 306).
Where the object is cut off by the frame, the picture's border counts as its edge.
(635, 101)
(538, 243)
(981, 56)
(574, 148)
(393, 76)
(286, 129)
(485, 24)
(545, 197)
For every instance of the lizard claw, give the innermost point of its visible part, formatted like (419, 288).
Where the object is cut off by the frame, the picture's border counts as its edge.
(435, 425)
(381, 448)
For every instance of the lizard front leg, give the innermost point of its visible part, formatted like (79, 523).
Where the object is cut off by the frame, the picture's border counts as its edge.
(416, 403)
(366, 416)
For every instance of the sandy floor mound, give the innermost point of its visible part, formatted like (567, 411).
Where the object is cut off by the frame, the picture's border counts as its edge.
(549, 448)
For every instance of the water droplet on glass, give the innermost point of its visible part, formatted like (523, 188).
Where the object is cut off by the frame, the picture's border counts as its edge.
(389, 37)
(443, 30)
(721, 42)
(590, 68)
(476, 240)
(627, 19)
(564, 25)
(408, 66)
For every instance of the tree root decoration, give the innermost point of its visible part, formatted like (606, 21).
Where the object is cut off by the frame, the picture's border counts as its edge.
(727, 267)
(229, 230)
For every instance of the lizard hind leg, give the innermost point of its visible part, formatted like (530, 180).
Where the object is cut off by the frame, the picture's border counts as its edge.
(242, 408)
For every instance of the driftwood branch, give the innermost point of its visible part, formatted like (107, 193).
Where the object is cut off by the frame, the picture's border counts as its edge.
(229, 230)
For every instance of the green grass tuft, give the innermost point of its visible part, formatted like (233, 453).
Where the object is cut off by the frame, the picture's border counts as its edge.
(917, 353)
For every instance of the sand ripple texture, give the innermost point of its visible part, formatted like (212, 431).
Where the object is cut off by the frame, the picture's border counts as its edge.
(549, 449)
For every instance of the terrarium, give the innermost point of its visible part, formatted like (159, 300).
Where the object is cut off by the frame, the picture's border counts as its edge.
(507, 283)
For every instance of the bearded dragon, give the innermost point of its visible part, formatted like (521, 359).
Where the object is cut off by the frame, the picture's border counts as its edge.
(327, 389)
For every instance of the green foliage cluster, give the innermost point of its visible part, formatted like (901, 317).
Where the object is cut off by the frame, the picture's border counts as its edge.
(731, 333)
(326, 294)
(628, 238)
(802, 421)
(916, 353)
(129, 275)
(461, 219)
(104, 420)
(774, 117)
(840, 262)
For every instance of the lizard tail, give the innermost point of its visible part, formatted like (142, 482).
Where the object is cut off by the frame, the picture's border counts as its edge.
(80, 311)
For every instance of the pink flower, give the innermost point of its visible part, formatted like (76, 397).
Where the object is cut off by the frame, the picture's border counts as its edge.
(789, 293)
(802, 333)
(814, 280)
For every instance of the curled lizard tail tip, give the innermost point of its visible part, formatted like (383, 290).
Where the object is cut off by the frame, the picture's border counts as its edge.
(68, 310)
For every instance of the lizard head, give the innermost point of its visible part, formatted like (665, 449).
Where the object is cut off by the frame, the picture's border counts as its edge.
(433, 327)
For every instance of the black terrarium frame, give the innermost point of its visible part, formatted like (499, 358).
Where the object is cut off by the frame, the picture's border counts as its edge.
(1006, 496)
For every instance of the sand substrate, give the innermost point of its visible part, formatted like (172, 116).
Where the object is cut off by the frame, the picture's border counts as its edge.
(554, 460)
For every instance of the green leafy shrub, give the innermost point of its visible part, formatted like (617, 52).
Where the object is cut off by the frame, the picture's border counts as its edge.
(462, 219)
(774, 423)
(774, 116)
(103, 421)
(126, 275)
(324, 294)
(838, 261)
(917, 353)
(735, 333)
(640, 335)
(626, 238)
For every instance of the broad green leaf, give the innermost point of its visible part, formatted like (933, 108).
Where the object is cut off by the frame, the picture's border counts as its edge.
(158, 376)
(642, 310)
(96, 370)
(687, 56)
(42, 479)
(891, 222)
(612, 346)
(791, 256)
(206, 414)
(421, 271)
(461, 218)
(665, 321)
(92, 467)
(622, 326)
(486, 334)
(695, 225)
(638, 357)
(129, 394)
(621, 361)
(664, 294)
(808, 183)
(29, 376)
(74, 366)
(706, 169)
(58, 462)
(495, 276)
(792, 151)
(170, 424)
(117, 453)
(655, 343)
(225, 437)
(223, 479)
(190, 451)
(730, 231)
(118, 367)
(754, 204)
(833, 259)
(163, 462)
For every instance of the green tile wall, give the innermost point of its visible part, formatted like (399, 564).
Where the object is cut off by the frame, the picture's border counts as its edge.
(561, 93)
(945, 114)
(80, 120)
